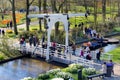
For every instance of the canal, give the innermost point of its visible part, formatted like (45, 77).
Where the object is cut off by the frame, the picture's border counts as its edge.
(25, 67)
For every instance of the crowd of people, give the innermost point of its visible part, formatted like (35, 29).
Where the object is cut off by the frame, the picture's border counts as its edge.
(91, 33)
(95, 44)
(33, 41)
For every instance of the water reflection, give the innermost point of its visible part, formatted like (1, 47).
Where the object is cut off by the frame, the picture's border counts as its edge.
(18, 69)
(110, 47)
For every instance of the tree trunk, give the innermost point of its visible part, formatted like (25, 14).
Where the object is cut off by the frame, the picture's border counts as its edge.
(66, 7)
(14, 17)
(54, 9)
(40, 26)
(104, 10)
(85, 4)
(95, 14)
(27, 13)
(110, 5)
(45, 11)
(119, 12)
(119, 8)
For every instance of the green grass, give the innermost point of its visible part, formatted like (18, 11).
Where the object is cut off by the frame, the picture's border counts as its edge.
(116, 55)
(117, 29)
(106, 56)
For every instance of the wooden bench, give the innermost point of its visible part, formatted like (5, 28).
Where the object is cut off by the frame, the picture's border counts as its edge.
(96, 75)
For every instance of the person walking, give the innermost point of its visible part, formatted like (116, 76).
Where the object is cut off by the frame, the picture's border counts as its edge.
(30, 40)
(34, 40)
(0, 31)
(3, 32)
(11, 24)
(7, 24)
(98, 55)
(73, 48)
(104, 68)
(2, 16)
(111, 64)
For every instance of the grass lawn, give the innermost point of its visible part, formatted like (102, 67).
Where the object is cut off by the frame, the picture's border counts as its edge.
(116, 55)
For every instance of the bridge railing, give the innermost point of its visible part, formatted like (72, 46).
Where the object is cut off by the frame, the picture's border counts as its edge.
(84, 62)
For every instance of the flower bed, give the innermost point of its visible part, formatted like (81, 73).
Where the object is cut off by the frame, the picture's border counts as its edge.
(64, 74)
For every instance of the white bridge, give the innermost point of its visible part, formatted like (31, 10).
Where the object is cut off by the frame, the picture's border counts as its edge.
(51, 20)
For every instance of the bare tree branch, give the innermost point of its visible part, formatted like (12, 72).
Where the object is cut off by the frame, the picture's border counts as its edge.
(61, 5)
(31, 2)
(10, 1)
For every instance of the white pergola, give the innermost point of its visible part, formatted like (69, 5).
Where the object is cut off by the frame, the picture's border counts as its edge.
(51, 20)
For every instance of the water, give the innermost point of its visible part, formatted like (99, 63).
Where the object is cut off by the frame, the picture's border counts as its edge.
(109, 47)
(18, 69)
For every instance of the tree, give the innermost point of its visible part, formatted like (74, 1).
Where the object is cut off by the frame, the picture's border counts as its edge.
(56, 9)
(14, 16)
(5, 5)
(95, 13)
(39, 4)
(119, 8)
(28, 4)
(85, 4)
(104, 9)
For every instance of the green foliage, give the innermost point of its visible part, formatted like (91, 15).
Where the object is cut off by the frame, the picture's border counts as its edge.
(64, 75)
(9, 31)
(11, 35)
(21, 29)
(27, 78)
(115, 55)
(117, 29)
(34, 29)
(2, 57)
(105, 56)
(73, 68)
(89, 71)
(78, 66)
(59, 38)
(84, 76)
(43, 76)
(7, 49)
(54, 71)
(26, 34)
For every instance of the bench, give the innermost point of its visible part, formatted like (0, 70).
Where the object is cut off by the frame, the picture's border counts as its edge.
(96, 75)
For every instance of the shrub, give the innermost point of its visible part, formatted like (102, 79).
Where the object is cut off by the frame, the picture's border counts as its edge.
(57, 79)
(43, 76)
(89, 71)
(34, 29)
(21, 29)
(9, 31)
(54, 71)
(26, 34)
(117, 29)
(73, 68)
(64, 75)
(27, 78)
(11, 35)
(78, 66)
(2, 57)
